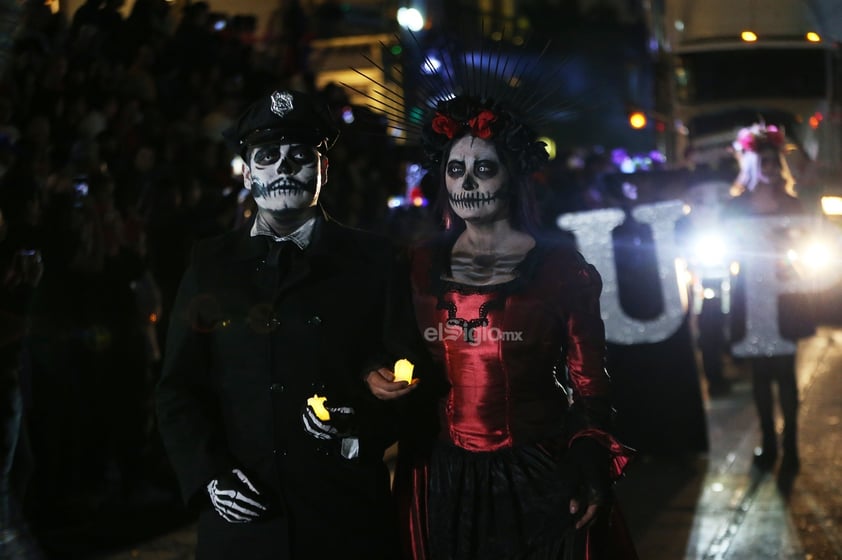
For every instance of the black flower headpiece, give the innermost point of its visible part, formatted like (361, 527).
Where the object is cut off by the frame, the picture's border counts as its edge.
(464, 115)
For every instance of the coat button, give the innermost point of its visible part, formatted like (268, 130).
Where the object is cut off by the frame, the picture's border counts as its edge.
(276, 388)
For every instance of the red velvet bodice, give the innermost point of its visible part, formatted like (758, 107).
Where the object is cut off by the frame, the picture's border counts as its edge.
(501, 348)
(477, 411)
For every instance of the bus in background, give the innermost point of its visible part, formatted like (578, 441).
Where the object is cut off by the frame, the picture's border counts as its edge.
(730, 63)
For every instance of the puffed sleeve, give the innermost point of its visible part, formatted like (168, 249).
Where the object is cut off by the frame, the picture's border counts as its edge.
(584, 351)
(585, 347)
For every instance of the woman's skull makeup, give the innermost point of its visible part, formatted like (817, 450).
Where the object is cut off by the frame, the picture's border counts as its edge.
(285, 176)
(771, 169)
(476, 180)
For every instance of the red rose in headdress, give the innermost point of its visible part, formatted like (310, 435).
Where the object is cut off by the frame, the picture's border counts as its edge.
(481, 124)
(444, 124)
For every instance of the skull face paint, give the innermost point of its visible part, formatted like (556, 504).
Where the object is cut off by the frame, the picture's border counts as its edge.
(771, 169)
(285, 176)
(476, 181)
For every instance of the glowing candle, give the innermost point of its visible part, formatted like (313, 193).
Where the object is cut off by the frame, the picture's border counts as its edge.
(317, 404)
(403, 370)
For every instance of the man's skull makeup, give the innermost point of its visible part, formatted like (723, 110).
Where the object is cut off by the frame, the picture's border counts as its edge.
(285, 176)
(476, 180)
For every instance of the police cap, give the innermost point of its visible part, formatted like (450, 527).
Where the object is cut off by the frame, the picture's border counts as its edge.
(283, 115)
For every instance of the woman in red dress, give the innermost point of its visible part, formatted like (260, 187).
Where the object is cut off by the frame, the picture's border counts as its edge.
(522, 460)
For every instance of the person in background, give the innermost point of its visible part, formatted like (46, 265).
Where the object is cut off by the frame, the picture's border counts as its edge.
(766, 186)
(289, 308)
(698, 234)
(20, 271)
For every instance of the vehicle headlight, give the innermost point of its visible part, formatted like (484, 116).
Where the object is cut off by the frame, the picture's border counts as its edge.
(832, 205)
(813, 257)
(709, 250)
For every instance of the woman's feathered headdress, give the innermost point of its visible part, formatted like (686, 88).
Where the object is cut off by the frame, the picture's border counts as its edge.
(490, 88)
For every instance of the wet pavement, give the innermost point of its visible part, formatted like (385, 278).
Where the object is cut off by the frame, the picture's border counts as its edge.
(710, 507)
(719, 507)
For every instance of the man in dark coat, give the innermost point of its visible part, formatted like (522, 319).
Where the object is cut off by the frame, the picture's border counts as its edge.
(292, 306)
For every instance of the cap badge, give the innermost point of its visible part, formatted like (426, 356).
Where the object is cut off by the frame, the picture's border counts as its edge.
(281, 103)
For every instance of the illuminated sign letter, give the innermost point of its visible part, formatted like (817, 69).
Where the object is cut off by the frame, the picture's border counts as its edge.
(593, 237)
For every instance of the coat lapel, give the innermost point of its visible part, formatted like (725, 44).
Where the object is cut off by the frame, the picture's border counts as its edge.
(329, 254)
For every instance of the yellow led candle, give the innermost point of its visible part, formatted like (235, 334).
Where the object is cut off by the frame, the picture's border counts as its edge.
(403, 370)
(317, 404)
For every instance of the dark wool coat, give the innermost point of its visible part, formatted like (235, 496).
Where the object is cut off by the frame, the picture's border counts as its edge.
(249, 342)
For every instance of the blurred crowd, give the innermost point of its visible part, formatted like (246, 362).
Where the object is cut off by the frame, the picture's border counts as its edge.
(111, 166)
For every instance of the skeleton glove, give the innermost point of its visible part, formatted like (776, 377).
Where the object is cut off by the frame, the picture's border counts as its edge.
(338, 427)
(235, 498)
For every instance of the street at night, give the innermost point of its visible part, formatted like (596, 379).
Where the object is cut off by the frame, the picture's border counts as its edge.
(604, 236)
